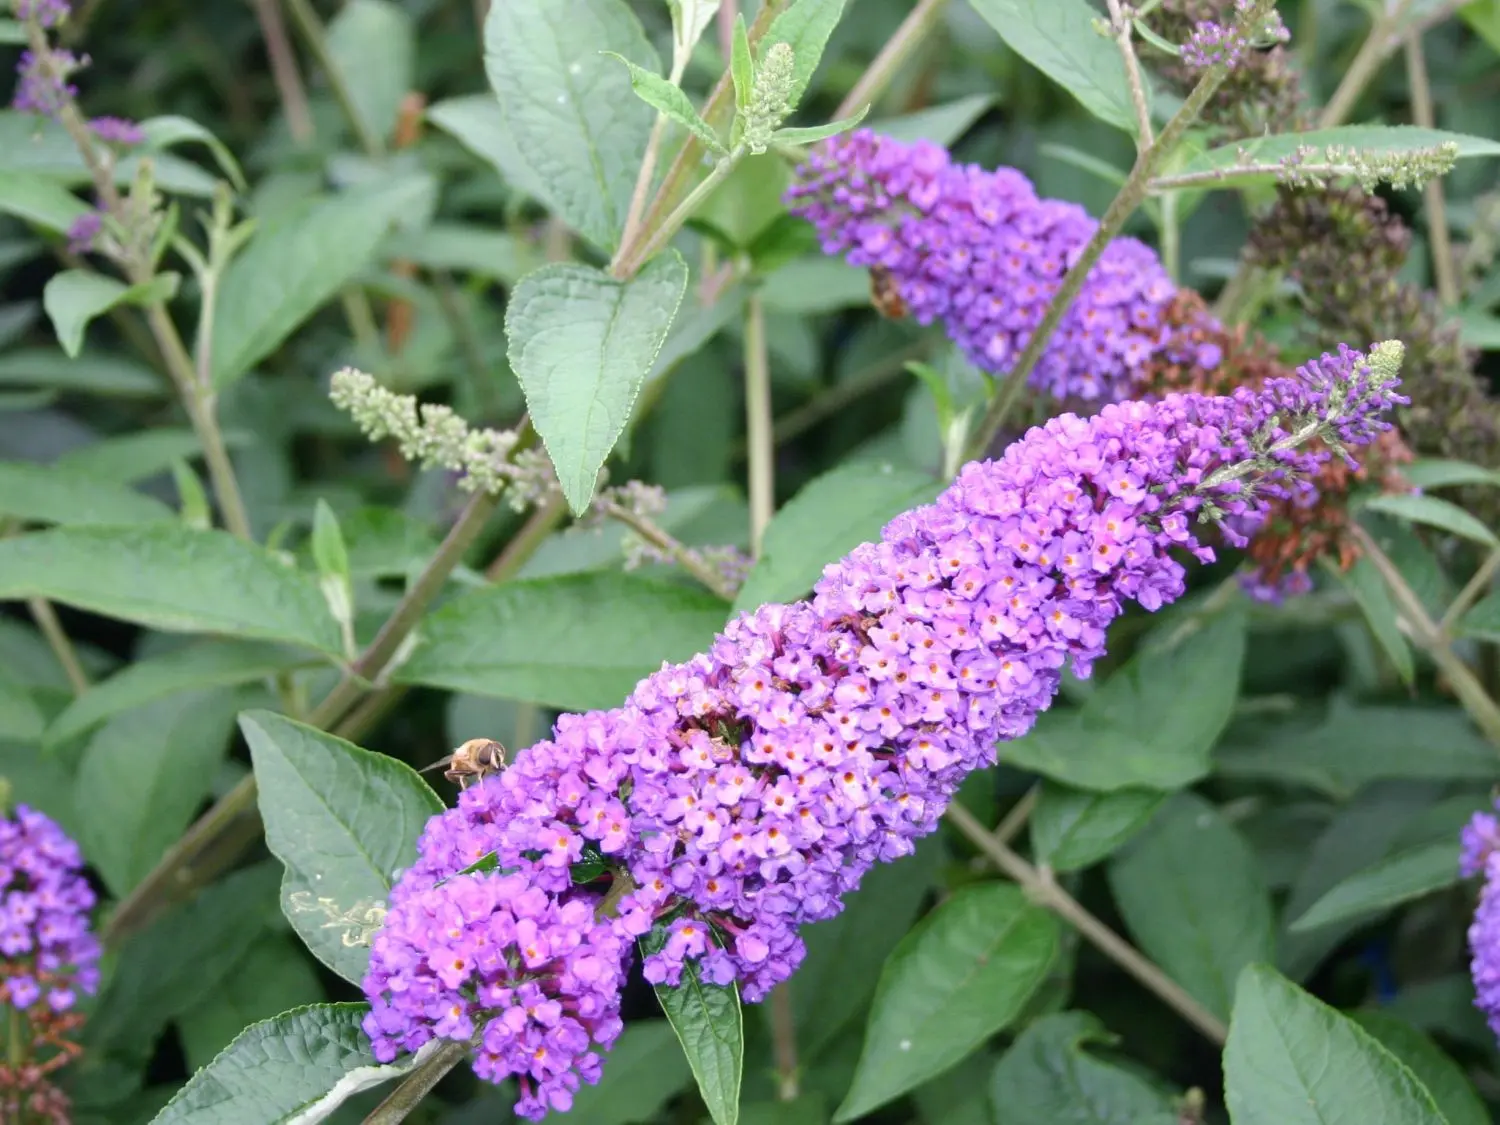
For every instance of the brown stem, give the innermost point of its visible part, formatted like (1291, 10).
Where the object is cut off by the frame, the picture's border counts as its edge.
(683, 556)
(284, 71)
(1123, 31)
(1433, 641)
(1384, 37)
(1472, 591)
(419, 1083)
(1444, 268)
(57, 638)
(540, 524)
(913, 32)
(1043, 889)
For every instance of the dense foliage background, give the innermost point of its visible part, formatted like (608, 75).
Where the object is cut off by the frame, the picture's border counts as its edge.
(1229, 766)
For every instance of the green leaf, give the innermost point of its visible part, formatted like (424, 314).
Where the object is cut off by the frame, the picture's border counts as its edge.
(274, 977)
(1369, 139)
(12, 33)
(1058, 38)
(1152, 724)
(465, 248)
(1047, 1075)
(42, 147)
(179, 961)
(1074, 828)
(1293, 1060)
(1483, 620)
(582, 344)
(1435, 512)
(295, 264)
(343, 821)
(668, 99)
(942, 124)
(1434, 473)
(575, 642)
(143, 776)
(845, 953)
(1192, 894)
(962, 974)
(1397, 879)
(646, 1067)
(163, 133)
(39, 200)
(828, 518)
(373, 46)
(213, 663)
(711, 1028)
(130, 458)
(75, 297)
(1445, 1079)
(579, 126)
(52, 495)
(1354, 745)
(815, 133)
(477, 123)
(170, 577)
(95, 374)
(21, 719)
(297, 1067)
(1373, 596)
(741, 64)
(805, 28)
(1363, 832)
(1484, 17)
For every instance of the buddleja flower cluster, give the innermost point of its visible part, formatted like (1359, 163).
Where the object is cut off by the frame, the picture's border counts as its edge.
(1479, 854)
(979, 251)
(736, 797)
(982, 253)
(47, 957)
(45, 87)
(1298, 531)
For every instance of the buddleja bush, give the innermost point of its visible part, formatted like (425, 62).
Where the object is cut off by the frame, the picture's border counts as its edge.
(1095, 726)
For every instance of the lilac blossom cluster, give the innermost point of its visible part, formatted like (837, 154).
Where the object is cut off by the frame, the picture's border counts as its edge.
(50, 953)
(1212, 42)
(979, 251)
(736, 797)
(530, 977)
(1479, 854)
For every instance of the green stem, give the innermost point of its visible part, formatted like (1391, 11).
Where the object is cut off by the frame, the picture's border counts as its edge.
(284, 72)
(1378, 45)
(627, 264)
(1044, 890)
(1444, 267)
(913, 32)
(683, 556)
(1125, 203)
(46, 620)
(408, 612)
(689, 157)
(1472, 591)
(181, 869)
(418, 1084)
(761, 443)
(1123, 31)
(316, 37)
(1433, 641)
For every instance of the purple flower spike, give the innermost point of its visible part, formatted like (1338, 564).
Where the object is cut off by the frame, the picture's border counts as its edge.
(83, 231)
(739, 796)
(117, 131)
(43, 13)
(980, 252)
(533, 977)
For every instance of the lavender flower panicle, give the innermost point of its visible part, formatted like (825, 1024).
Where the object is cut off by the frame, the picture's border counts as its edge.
(117, 131)
(740, 795)
(1479, 854)
(43, 13)
(47, 956)
(982, 253)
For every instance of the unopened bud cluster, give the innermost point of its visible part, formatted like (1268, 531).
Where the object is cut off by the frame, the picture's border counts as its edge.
(770, 98)
(1310, 166)
(434, 436)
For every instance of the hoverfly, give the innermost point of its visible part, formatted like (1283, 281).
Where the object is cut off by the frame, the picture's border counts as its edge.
(471, 762)
(884, 294)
